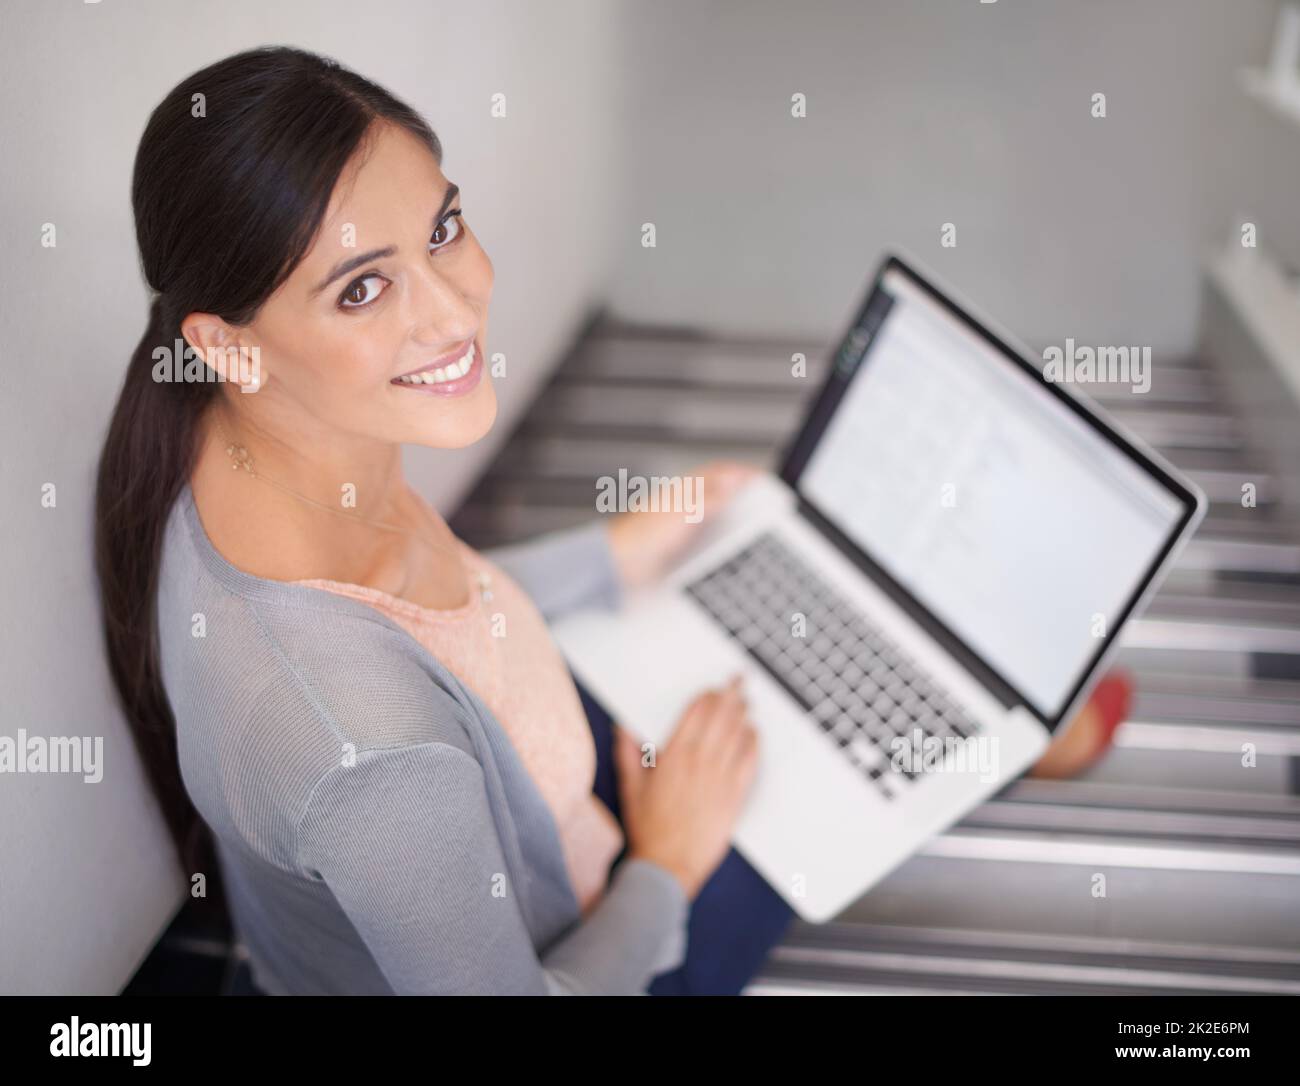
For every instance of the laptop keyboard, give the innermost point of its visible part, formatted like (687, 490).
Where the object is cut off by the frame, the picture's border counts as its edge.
(858, 686)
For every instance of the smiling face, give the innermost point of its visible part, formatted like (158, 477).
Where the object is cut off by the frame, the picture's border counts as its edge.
(380, 330)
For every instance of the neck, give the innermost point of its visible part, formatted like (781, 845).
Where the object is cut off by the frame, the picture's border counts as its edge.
(321, 463)
(300, 519)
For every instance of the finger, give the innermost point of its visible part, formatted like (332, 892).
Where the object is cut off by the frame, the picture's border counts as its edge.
(722, 478)
(723, 481)
(731, 738)
(744, 755)
(627, 761)
(686, 735)
(718, 732)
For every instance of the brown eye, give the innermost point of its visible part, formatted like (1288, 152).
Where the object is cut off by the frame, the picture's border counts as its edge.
(443, 234)
(360, 292)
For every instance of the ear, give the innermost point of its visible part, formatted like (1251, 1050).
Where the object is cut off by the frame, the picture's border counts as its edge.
(225, 350)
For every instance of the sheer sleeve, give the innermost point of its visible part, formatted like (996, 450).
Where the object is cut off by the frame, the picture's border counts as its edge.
(564, 570)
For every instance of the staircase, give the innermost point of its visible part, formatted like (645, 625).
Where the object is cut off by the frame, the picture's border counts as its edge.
(1201, 855)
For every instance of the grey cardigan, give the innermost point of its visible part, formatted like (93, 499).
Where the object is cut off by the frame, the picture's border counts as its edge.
(377, 832)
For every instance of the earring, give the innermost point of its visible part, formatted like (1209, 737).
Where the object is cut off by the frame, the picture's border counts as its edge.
(239, 458)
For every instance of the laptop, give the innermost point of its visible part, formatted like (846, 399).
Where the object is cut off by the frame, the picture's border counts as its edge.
(922, 596)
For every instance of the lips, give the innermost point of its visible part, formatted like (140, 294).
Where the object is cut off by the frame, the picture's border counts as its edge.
(447, 368)
(452, 375)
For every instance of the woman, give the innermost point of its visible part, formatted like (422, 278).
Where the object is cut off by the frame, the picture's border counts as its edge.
(369, 717)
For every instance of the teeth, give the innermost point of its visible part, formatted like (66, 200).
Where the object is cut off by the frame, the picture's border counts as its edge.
(442, 373)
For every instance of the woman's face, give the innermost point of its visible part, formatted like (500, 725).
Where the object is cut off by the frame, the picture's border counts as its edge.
(395, 285)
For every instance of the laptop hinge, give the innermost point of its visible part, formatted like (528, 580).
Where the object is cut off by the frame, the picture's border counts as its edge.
(994, 683)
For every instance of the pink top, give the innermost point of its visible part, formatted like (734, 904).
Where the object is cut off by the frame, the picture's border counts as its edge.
(501, 649)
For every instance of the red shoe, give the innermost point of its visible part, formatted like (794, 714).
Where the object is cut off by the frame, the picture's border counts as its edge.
(1082, 742)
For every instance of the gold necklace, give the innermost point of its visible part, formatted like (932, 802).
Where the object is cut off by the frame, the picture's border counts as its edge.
(240, 458)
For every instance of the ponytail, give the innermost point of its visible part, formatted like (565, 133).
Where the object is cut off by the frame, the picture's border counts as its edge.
(147, 456)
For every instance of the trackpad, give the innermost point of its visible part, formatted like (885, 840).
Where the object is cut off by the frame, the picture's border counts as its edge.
(646, 663)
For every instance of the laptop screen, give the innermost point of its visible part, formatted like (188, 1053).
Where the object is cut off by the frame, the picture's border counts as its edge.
(1015, 520)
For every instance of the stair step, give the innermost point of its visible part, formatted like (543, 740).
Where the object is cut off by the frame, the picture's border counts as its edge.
(1043, 883)
(893, 959)
(758, 414)
(769, 366)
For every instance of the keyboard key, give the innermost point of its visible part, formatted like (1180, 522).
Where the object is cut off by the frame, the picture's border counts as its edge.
(858, 686)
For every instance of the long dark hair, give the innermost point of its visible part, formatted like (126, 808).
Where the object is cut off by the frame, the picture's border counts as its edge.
(232, 180)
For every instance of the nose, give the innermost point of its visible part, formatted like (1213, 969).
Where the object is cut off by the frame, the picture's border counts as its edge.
(439, 313)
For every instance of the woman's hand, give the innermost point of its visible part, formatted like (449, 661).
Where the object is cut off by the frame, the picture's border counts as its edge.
(645, 542)
(681, 812)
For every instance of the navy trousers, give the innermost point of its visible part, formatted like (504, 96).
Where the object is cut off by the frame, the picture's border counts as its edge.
(734, 921)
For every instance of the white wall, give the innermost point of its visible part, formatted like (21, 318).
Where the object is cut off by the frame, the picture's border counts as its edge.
(86, 881)
(922, 112)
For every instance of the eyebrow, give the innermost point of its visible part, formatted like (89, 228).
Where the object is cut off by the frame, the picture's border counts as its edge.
(352, 263)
